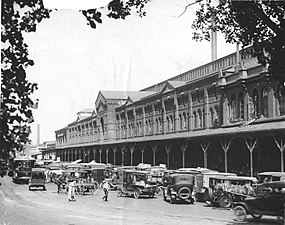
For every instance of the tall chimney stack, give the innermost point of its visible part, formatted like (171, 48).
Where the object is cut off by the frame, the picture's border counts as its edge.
(38, 134)
(213, 41)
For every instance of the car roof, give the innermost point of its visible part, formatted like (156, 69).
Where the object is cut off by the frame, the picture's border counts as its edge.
(243, 178)
(274, 184)
(277, 174)
(38, 170)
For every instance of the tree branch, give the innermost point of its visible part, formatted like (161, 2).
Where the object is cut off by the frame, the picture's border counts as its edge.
(185, 9)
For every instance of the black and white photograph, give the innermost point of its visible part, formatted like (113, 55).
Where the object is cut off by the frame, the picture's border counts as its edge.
(142, 112)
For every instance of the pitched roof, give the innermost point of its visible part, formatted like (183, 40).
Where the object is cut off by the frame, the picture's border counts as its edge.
(134, 95)
(176, 84)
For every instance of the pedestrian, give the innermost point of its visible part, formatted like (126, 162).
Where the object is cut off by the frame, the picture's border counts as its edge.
(71, 191)
(106, 188)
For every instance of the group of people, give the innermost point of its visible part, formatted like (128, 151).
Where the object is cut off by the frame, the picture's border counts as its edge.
(71, 190)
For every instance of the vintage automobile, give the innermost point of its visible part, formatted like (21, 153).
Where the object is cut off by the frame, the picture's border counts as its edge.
(203, 187)
(270, 176)
(179, 186)
(269, 200)
(224, 191)
(37, 178)
(136, 183)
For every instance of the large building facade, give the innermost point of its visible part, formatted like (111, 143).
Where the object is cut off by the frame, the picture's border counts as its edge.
(225, 115)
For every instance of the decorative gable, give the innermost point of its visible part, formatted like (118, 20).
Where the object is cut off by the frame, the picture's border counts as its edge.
(167, 87)
(101, 107)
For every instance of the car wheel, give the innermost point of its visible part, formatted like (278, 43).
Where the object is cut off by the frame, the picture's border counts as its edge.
(240, 213)
(151, 195)
(160, 191)
(256, 216)
(225, 201)
(208, 194)
(164, 195)
(120, 193)
(137, 194)
(280, 217)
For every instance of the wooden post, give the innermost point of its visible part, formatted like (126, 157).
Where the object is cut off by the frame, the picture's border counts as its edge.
(154, 148)
(281, 147)
(251, 144)
(205, 147)
(132, 148)
(167, 149)
(226, 145)
(183, 149)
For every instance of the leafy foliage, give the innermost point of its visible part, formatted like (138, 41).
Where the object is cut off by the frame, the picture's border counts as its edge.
(16, 105)
(117, 9)
(260, 24)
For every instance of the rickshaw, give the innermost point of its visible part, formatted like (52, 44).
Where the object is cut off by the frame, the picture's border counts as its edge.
(37, 179)
(136, 183)
(269, 200)
(224, 191)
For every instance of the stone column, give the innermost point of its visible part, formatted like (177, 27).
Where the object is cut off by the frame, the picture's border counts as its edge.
(167, 149)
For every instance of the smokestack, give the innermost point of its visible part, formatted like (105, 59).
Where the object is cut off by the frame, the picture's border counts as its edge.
(38, 134)
(214, 45)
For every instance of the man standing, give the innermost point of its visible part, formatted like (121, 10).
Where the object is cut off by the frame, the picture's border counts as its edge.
(106, 188)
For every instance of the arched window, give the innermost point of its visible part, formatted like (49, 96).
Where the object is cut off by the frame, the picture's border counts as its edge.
(146, 127)
(200, 119)
(149, 126)
(255, 103)
(184, 121)
(212, 116)
(171, 123)
(168, 125)
(156, 126)
(232, 108)
(240, 106)
(195, 120)
(217, 116)
(264, 102)
(180, 122)
(204, 118)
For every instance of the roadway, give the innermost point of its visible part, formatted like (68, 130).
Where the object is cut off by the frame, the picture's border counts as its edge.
(19, 206)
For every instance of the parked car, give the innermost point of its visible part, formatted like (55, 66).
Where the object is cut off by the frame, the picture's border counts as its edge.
(204, 186)
(269, 200)
(136, 183)
(224, 191)
(179, 186)
(270, 176)
(37, 178)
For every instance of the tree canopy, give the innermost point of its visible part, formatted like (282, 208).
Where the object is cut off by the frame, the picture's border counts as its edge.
(16, 104)
(257, 24)
(20, 16)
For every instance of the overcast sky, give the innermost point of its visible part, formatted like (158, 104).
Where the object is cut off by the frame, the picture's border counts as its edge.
(73, 61)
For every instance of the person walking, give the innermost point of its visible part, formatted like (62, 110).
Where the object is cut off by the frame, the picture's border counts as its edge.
(71, 191)
(106, 188)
